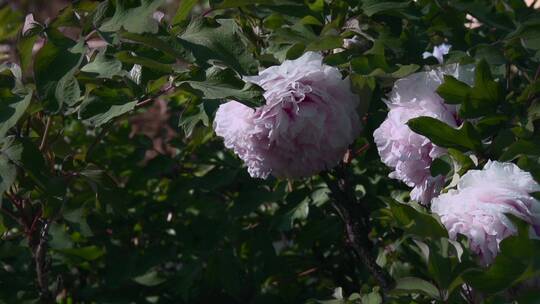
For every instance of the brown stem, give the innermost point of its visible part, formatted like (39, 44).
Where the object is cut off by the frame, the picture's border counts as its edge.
(357, 227)
(508, 80)
(154, 97)
(96, 141)
(10, 214)
(45, 134)
(87, 37)
(37, 241)
(38, 245)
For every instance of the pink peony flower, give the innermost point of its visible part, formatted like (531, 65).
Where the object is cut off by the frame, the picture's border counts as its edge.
(438, 52)
(29, 24)
(478, 208)
(305, 127)
(408, 153)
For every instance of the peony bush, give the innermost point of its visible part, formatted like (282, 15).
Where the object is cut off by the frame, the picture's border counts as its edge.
(277, 151)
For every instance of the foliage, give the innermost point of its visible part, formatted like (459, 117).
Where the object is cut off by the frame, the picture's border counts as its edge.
(108, 198)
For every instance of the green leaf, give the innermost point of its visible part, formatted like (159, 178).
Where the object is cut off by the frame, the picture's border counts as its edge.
(25, 49)
(414, 221)
(56, 61)
(223, 42)
(133, 18)
(11, 22)
(60, 238)
(530, 91)
(10, 155)
(453, 91)
(156, 42)
(68, 91)
(325, 43)
(372, 7)
(127, 57)
(370, 298)
(465, 138)
(88, 253)
(416, 285)
(66, 18)
(462, 161)
(238, 3)
(491, 124)
(404, 70)
(224, 84)
(490, 53)
(316, 5)
(33, 163)
(151, 278)
(298, 212)
(485, 13)
(521, 147)
(104, 66)
(225, 272)
(440, 166)
(439, 263)
(370, 65)
(533, 117)
(188, 121)
(104, 104)
(517, 261)
(183, 11)
(11, 110)
(528, 35)
(484, 97)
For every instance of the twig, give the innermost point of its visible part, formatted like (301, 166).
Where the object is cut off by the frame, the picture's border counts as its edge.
(145, 102)
(45, 134)
(37, 241)
(356, 223)
(207, 12)
(508, 80)
(307, 272)
(39, 252)
(90, 35)
(10, 214)
(154, 97)
(93, 145)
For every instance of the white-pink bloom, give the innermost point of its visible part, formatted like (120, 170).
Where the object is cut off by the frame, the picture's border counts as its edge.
(29, 24)
(478, 208)
(408, 153)
(305, 127)
(438, 52)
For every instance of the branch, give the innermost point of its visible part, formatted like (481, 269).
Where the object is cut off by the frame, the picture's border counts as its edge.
(10, 214)
(87, 37)
(45, 134)
(161, 92)
(37, 241)
(39, 252)
(357, 227)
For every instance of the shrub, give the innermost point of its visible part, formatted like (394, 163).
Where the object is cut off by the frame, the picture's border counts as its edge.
(399, 143)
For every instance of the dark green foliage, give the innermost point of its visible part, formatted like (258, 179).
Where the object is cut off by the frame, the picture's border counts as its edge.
(109, 160)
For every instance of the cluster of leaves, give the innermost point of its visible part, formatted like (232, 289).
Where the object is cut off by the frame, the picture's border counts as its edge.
(101, 203)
